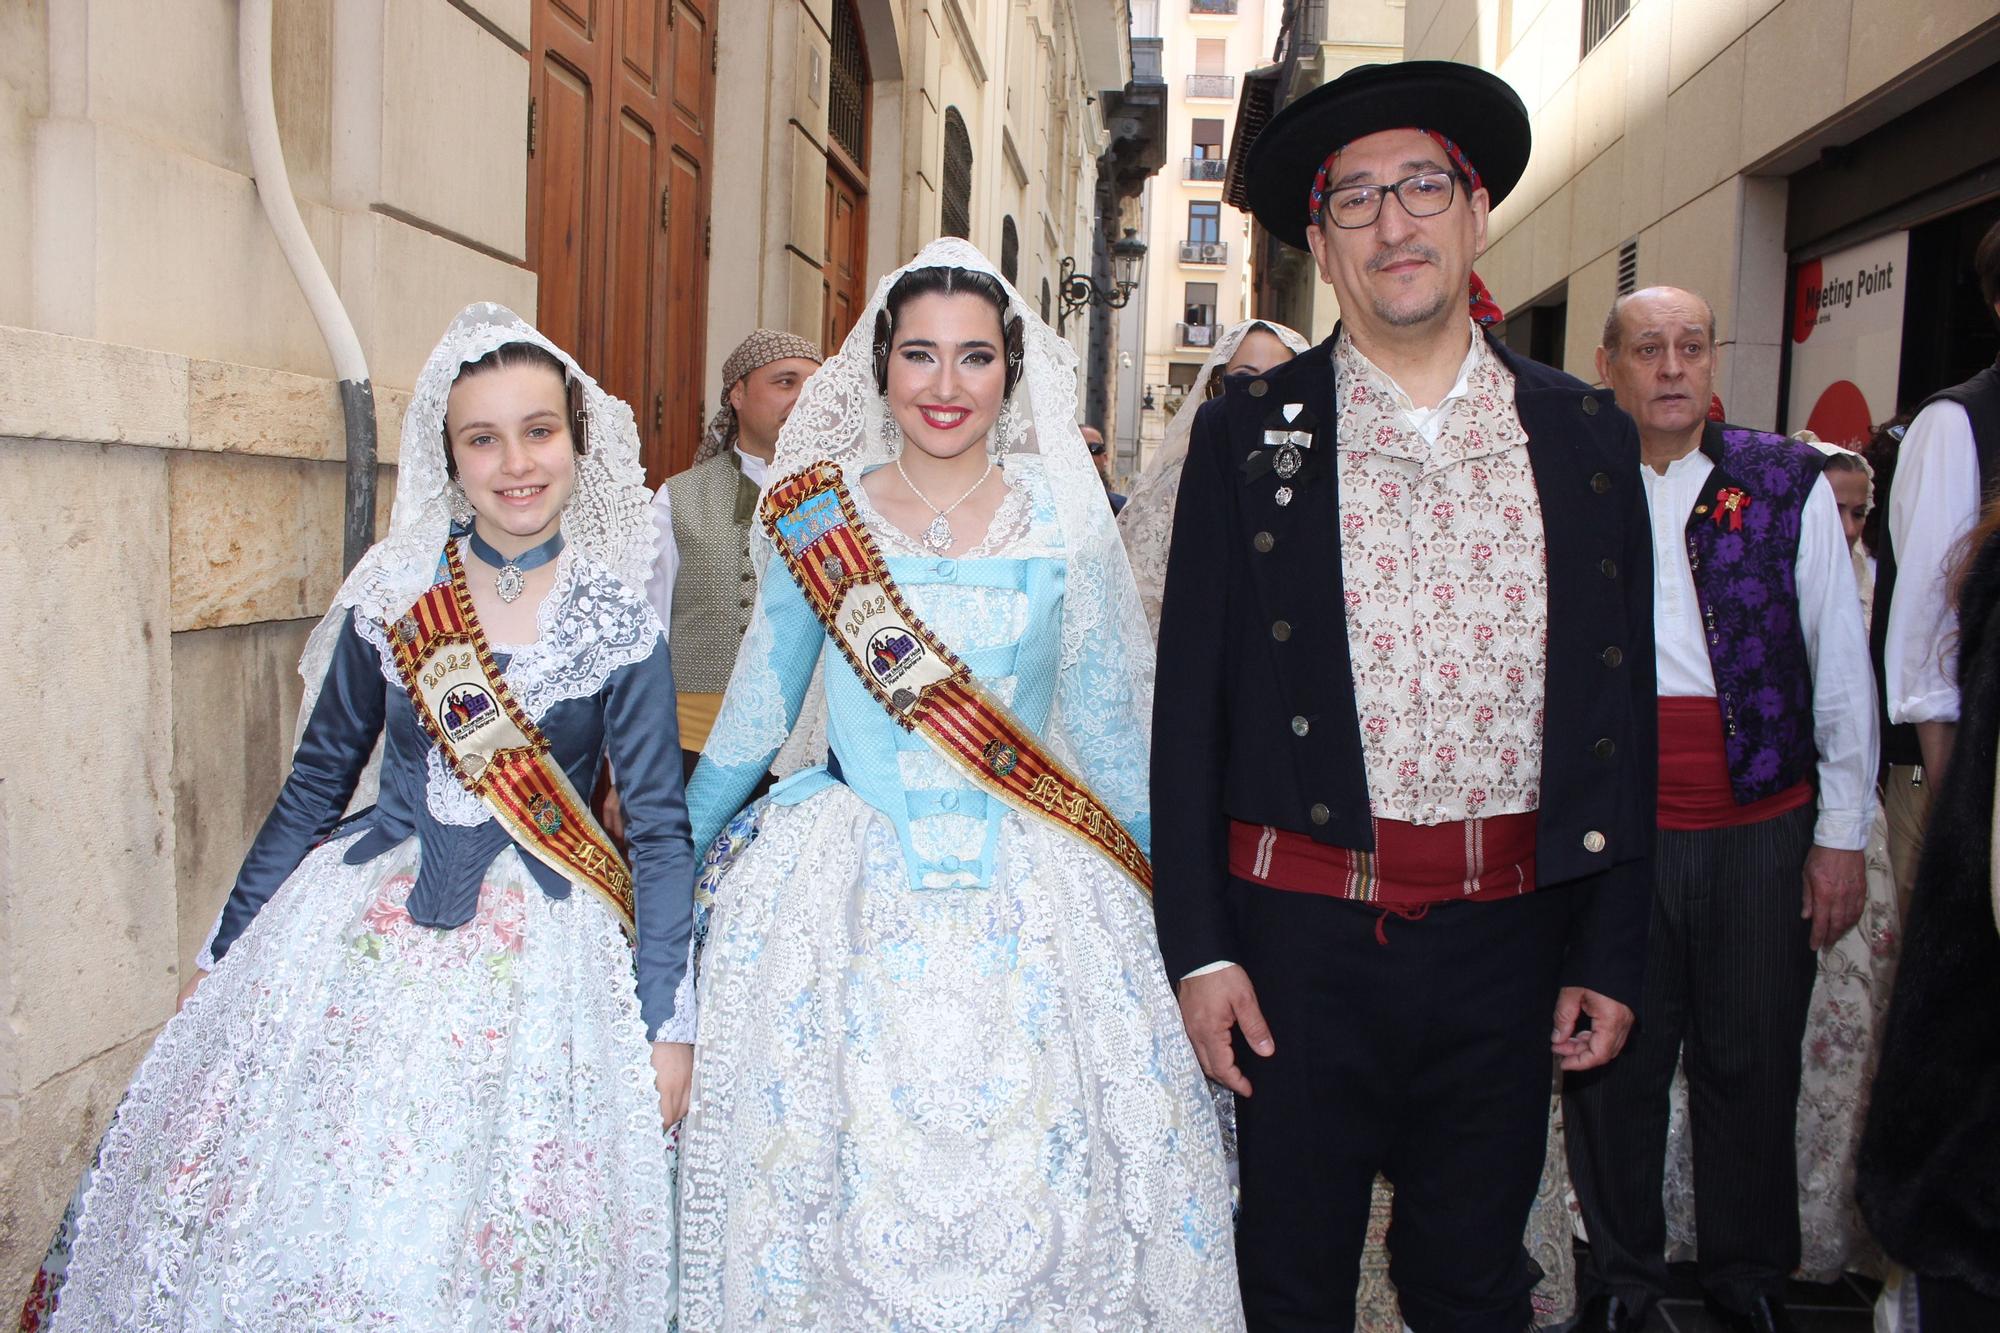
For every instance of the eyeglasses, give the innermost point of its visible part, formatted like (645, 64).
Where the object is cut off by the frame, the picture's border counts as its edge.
(1424, 195)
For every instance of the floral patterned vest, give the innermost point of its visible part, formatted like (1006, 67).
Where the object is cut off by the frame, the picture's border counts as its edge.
(1743, 546)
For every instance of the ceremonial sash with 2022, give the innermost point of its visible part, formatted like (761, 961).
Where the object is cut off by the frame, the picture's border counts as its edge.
(493, 746)
(812, 522)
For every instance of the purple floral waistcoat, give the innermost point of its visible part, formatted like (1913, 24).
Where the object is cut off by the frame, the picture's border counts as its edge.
(1743, 546)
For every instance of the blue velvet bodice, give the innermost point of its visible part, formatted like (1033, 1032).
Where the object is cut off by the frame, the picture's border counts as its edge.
(633, 712)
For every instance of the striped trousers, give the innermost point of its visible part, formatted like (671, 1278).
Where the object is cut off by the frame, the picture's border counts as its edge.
(1729, 976)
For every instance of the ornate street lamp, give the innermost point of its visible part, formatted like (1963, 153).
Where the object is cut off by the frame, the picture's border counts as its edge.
(1078, 290)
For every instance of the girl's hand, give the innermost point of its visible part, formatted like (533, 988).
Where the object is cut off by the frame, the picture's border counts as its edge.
(187, 991)
(673, 1071)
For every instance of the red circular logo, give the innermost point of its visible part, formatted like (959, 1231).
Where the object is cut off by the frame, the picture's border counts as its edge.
(1841, 415)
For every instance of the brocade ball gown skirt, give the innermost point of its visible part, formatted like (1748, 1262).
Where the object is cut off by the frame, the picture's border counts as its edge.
(361, 1122)
(959, 1109)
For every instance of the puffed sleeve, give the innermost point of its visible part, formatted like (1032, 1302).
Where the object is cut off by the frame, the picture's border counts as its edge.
(761, 706)
(339, 737)
(643, 734)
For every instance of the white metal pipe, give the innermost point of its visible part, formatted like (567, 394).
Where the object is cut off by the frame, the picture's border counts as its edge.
(274, 191)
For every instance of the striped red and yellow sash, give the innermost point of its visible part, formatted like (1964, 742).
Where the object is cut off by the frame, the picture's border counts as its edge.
(912, 674)
(493, 746)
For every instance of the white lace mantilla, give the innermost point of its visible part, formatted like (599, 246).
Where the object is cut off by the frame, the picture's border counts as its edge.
(608, 517)
(1106, 682)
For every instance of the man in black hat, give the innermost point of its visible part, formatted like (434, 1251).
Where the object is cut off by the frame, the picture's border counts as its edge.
(1403, 754)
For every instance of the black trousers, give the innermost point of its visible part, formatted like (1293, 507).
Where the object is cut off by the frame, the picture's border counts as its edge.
(1426, 1059)
(1729, 975)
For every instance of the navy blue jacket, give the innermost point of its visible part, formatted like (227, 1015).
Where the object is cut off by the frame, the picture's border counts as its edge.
(633, 713)
(1232, 677)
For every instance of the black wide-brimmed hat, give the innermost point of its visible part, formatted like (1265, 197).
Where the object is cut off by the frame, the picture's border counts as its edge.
(1476, 110)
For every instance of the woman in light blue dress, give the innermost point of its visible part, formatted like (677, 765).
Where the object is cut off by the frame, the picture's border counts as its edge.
(940, 1079)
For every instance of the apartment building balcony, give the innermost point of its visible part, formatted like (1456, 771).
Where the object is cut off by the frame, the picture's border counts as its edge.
(1208, 169)
(1197, 335)
(1211, 85)
(1223, 7)
(1205, 252)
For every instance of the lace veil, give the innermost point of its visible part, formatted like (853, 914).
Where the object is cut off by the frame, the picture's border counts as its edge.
(1107, 657)
(608, 519)
(1148, 517)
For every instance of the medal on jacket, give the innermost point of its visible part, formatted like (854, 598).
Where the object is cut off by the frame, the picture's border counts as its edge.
(1290, 435)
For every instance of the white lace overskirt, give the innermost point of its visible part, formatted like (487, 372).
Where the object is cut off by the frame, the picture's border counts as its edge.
(362, 1122)
(962, 1109)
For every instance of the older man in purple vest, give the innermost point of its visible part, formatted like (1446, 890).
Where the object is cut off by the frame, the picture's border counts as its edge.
(1767, 762)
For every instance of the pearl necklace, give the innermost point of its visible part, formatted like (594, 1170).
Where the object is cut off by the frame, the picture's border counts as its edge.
(938, 535)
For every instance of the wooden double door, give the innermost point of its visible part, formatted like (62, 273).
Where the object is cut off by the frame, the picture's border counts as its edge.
(619, 142)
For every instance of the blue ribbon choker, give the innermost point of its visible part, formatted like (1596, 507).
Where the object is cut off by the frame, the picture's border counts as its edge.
(511, 579)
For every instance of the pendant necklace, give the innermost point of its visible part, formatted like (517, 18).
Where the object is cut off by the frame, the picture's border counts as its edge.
(938, 535)
(511, 579)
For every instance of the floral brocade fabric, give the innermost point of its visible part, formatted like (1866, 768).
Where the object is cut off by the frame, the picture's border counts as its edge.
(362, 1122)
(1447, 595)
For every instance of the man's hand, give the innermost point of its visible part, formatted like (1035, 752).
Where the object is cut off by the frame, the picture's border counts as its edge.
(1836, 884)
(1610, 1024)
(1211, 1005)
(673, 1071)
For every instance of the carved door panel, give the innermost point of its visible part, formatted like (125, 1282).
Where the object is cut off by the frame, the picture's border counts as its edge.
(615, 236)
(846, 256)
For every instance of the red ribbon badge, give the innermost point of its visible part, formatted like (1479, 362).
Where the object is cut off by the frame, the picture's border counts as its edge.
(1730, 502)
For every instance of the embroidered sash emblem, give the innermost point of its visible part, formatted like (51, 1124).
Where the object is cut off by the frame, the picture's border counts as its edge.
(493, 747)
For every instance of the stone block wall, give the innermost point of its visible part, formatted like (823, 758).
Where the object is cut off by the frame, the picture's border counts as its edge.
(173, 438)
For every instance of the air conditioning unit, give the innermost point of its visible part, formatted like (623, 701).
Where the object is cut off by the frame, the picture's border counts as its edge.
(1215, 252)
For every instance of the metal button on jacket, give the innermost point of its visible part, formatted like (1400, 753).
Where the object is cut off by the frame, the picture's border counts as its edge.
(1263, 541)
(1281, 630)
(1300, 726)
(1258, 388)
(1589, 407)
(1608, 567)
(1601, 482)
(1593, 841)
(1320, 814)
(1612, 656)
(1605, 748)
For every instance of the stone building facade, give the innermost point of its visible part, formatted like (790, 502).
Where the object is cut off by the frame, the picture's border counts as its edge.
(856, 131)
(171, 432)
(1743, 148)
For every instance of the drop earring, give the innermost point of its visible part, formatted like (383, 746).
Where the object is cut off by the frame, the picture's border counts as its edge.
(458, 502)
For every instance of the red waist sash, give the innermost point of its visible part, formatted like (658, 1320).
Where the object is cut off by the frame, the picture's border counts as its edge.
(1695, 792)
(1411, 867)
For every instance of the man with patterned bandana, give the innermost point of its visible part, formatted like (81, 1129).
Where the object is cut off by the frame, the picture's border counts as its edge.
(1766, 794)
(704, 584)
(1403, 728)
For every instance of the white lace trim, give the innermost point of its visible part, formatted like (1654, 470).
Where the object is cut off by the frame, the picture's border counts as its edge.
(588, 627)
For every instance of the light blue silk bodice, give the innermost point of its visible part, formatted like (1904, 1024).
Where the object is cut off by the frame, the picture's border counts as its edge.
(1000, 613)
